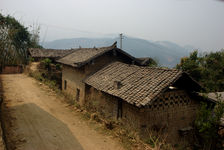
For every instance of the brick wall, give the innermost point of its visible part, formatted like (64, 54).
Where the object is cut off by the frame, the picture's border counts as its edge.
(172, 111)
(12, 69)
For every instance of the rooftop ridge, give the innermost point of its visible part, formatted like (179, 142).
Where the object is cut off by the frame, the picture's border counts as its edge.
(82, 56)
(159, 68)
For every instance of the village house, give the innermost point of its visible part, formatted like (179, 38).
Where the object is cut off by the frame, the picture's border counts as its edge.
(144, 98)
(39, 54)
(85, 61)
(146, 61)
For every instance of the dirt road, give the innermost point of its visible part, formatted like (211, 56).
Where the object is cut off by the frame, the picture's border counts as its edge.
(37, 119)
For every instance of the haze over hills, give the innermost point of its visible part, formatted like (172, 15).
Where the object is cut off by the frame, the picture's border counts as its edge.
(166, 53)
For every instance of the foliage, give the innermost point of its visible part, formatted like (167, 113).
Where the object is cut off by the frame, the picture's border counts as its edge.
(47, 63)
(14, 41)
(41, 77)
(207, 125)
(207, 69)
(31, 59)
(58, 67)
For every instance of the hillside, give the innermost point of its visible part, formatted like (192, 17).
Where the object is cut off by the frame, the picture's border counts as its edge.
(167, 53)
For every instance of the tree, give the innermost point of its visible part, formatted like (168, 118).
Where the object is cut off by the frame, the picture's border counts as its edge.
(35, 38)
(207, 125)
(47, 63)
(191, 65)
(207, 69)
(14, 41)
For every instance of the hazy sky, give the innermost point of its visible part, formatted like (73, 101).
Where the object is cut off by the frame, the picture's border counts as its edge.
(199, 23)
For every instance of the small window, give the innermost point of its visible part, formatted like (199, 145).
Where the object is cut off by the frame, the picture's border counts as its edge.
(77, 94)
(65, 84)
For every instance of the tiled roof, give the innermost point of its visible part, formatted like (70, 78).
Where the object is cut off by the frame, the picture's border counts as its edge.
(215, 96)
(138, 85)
(49, 53)
(84, 55)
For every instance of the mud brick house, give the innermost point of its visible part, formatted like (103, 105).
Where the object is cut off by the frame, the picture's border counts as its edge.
(145, 98)
(145, 61)
(53, 54)
(85, 61)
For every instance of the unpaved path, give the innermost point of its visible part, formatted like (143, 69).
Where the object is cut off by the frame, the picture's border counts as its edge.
(37, 119)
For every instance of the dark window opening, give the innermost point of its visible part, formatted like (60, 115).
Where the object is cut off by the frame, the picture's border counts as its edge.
(65, 84)
(77, 94)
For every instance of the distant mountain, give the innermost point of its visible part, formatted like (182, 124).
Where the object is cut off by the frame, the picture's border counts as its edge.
(167, 53)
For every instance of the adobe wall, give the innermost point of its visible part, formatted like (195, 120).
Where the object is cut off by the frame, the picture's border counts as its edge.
(99, 63)
(104, 104)
(74, 79)
(131, 117)
(104, 60)
(12, 69)
(75, 76)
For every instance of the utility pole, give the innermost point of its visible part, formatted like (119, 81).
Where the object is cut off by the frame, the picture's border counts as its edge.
(121, 37)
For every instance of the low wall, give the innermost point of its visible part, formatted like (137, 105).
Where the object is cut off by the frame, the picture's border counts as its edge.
(12, 69)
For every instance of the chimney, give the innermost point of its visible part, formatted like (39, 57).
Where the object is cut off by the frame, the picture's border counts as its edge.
(117, 85)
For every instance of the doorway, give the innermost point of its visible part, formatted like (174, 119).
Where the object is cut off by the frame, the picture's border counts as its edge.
(119, 109)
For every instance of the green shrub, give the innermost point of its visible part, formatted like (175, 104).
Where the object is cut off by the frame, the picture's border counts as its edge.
(31, 59)
(58, 67)
(207, 125)
(47, 63)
